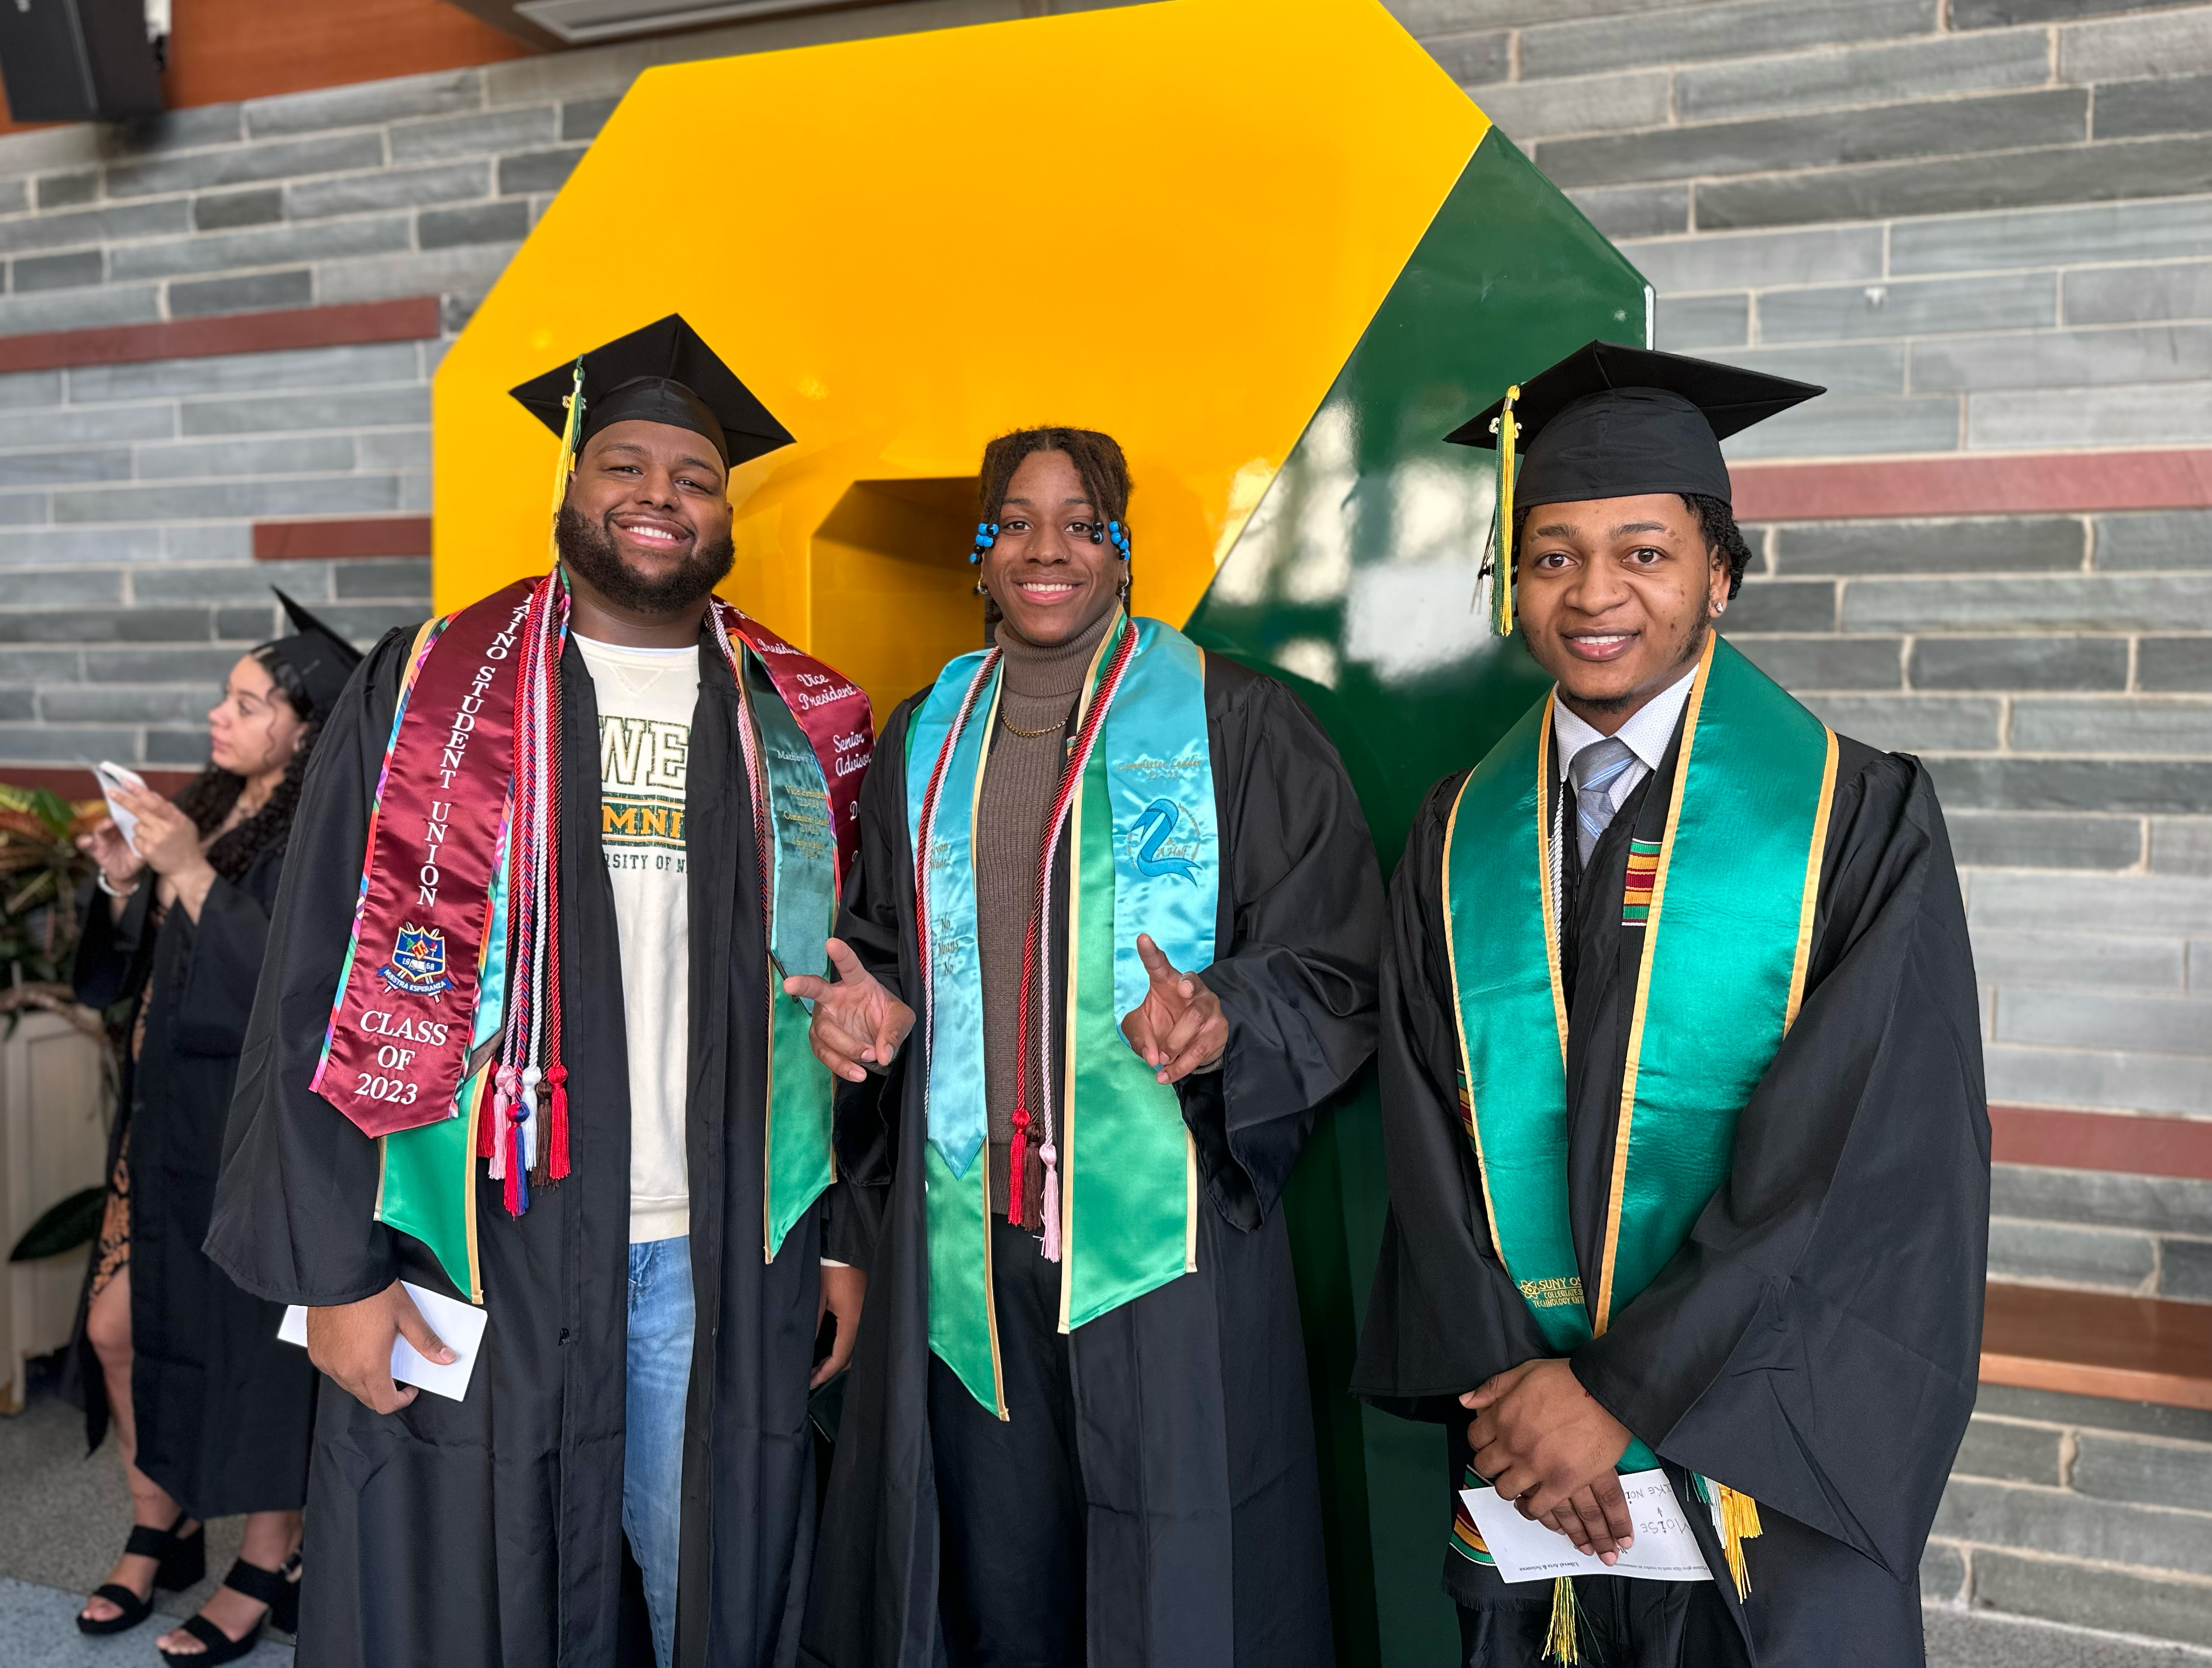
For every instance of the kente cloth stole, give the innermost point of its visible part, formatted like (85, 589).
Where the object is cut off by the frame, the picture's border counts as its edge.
(1726, 902)
(423, 993)
(1146, 857)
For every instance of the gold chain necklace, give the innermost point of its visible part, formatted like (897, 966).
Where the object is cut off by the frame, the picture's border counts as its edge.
(1032, 735)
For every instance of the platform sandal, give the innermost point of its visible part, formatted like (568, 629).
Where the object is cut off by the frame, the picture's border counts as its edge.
(279, 1589)
(180, 1562)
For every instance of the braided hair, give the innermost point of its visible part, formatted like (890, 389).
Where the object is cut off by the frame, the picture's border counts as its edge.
(209, 796)
(1098, 463)
(1716, 519)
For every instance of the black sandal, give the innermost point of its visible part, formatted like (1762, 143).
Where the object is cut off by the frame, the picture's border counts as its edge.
(180, 1560)
(279, 1589)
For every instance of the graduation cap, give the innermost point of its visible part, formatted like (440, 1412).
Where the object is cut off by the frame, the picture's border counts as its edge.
(1614, 422)
(317, 655)
(661, 374)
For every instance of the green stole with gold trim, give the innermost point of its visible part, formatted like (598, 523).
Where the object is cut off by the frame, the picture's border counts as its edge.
(1731, 909)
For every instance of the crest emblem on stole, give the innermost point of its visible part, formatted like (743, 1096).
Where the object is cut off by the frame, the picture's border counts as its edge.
(1153, 848)
(418, 962)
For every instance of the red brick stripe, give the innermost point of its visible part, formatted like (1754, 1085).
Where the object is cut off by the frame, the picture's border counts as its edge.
(2098, 1343)
(76, 784)
(2013, 483)
(411, 318)
(2101, 1141)
(364, 535)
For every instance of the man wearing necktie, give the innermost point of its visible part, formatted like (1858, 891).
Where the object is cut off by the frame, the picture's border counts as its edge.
(1685, 1125)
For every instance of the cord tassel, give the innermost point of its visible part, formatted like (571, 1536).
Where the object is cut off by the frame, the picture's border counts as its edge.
(556, 1119)
(517, 1192)
(1559, 1643)
(1018, 1165)
(1050, 1154)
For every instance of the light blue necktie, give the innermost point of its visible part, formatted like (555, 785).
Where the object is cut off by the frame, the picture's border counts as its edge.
(1592, 771)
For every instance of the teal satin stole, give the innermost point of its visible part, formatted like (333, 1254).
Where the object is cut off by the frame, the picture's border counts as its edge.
(1731, 911)
(1146, 858)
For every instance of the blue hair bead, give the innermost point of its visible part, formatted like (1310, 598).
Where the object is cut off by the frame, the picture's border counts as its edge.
(987, 534)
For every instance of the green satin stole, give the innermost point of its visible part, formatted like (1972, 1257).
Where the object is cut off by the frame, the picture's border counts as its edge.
(428, 1185)
(1731, 911)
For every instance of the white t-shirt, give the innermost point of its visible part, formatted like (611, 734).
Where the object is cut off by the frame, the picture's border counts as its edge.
(646, 697)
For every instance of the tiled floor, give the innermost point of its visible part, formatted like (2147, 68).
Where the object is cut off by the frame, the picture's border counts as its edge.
(65, 1519)
(66, 1514)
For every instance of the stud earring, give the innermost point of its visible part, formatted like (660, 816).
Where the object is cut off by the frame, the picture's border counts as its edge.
(987, 534)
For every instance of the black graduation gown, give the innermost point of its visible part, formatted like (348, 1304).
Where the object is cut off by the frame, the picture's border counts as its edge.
(224, 1411)
(1816, 1342)
(490, 1531)
(1189, 1559)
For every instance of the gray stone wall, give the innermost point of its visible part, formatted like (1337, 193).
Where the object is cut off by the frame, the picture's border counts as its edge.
(1986, 225)
(128, 492)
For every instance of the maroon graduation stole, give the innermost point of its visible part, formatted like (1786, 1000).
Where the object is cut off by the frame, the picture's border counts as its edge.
(456, 936)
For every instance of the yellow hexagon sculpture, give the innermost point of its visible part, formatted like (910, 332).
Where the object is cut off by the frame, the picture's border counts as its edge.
(1170, 221)
(1267, 244)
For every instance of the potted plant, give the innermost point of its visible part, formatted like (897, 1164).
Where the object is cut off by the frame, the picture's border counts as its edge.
(57, 1079)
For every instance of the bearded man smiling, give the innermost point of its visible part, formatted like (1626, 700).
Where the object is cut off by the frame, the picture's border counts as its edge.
(641, 1199)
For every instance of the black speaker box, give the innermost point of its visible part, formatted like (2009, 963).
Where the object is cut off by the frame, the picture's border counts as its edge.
(77, 61)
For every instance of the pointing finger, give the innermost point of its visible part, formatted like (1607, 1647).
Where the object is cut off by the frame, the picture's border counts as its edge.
(849, 971)
(1162, 970)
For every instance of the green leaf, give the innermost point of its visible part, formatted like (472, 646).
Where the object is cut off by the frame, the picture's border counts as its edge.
(48, 807)
(64, 1227)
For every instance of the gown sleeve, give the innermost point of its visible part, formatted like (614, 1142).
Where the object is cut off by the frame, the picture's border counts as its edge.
(1443, 1315)
(113, 953)
(1303, 918)
(869, 920)
(1815, 1344)
(227, 945)
(294, 1218)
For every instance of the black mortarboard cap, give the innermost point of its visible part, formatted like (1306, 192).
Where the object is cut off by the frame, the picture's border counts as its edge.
(661, 374)
(316, 654)
(1615, 422)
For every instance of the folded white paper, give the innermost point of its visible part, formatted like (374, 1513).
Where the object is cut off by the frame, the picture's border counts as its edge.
(459, 1326)
(1665, 1549)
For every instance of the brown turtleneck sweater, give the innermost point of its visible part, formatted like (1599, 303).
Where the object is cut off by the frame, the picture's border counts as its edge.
(1038, 691)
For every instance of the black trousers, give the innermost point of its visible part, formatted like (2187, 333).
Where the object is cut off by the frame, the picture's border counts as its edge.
(1622, 1624)
(1009, 1492)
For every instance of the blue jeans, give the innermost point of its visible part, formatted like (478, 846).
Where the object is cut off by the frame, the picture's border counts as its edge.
(659, 1372)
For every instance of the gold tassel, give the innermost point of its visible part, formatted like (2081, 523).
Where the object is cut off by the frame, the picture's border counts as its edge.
(1738, 1523)
(1501, 589)
(566, 465)
(1560, 1644)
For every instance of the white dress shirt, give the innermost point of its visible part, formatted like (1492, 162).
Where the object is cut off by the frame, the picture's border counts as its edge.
(1647, 734)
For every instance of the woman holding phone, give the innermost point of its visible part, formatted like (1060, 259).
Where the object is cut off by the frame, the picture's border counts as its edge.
(212, 1414)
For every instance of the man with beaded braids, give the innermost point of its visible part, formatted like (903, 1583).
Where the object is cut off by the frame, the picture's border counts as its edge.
(522, 1040)
(1681, 1086)
(1136, 952)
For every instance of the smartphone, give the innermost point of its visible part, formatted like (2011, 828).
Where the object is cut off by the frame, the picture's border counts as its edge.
(112, 776)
